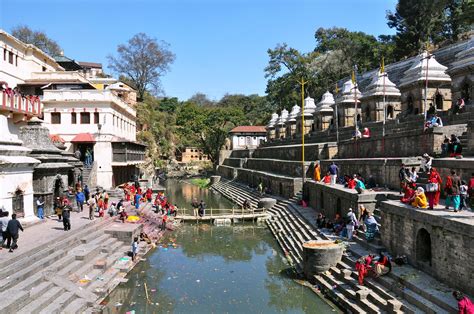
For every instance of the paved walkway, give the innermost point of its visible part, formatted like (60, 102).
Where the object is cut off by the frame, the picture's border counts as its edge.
(51, 229)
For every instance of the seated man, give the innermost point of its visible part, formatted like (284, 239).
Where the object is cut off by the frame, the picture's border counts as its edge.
(435, 121)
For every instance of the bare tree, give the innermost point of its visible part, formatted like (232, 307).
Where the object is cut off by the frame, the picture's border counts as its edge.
(37, 38)
(143, 60)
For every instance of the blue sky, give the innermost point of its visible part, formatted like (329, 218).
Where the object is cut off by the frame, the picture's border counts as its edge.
(220, 45)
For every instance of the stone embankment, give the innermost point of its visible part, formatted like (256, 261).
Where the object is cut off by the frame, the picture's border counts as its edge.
(405, 289)
(71, 274)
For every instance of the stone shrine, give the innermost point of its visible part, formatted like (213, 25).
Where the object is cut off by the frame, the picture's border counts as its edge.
(50, 178)
(291, 122)
(324, 112)
(347, 114)
(381, 93)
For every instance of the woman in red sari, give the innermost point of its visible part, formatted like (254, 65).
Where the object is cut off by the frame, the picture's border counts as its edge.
(409, 190)
(433, 197)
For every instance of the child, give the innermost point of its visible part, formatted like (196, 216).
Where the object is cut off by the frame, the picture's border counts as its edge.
(463, 195)
(134, 248)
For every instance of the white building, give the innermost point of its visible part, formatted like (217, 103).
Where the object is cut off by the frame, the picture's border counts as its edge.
(17, 63)
(102, 121)
(247, 136)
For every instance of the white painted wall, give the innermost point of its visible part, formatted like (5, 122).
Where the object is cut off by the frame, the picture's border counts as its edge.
(242, 141)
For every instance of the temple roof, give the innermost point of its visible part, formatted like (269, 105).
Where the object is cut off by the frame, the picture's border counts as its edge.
(381, 85)
(283, 117)
(425, 67)
(249, 129)
(465, 58)
(295, 110)
(309, 106)
(273, 120)
(326, 102)
(347, 95)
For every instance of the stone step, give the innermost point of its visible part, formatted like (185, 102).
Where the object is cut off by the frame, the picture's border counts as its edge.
(13, 299)
(338, 297)
(76, 306)
(350, 294)
(38, 304)
(24, 273)
(86, 251)
(58, 305)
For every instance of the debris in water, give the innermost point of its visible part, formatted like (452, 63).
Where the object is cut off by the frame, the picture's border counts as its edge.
(118, 304)
(198, 280)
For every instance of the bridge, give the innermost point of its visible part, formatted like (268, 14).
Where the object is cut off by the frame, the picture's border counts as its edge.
(223, 214)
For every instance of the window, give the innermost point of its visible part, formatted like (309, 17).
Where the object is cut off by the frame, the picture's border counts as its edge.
(85, 118)
(73, 118)
(10, 57)
(16, 60)
(55, 118)
(5, 55)
(96, 118)
(44, 69)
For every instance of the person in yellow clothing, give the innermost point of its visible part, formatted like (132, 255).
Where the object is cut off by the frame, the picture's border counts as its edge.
(317, 172)
(420, 199)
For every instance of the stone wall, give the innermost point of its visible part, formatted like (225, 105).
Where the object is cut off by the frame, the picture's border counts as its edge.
(242, 153)
(384, 170)
(234, 162)
(404, 143)
(279, 185)
(405, 230)
(293, 152)
(464, 167)
(283, 167)
(227, 172)
(332, 199)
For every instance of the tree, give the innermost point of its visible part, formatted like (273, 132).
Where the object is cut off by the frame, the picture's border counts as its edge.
(37, 38)
(207, 127)
(201, 99)
(422, 22)
(143, 60)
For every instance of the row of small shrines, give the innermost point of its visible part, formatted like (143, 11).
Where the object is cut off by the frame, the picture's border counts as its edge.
(441, 85)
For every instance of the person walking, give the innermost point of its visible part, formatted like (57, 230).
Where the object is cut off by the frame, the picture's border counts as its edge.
(463, 197)
(164, 219)
(3, 227)
(58, 207)
(67, 218)
(87, 193)
(92, 206)
(433, 188)
(465, 305)
(80, 199)
(134, 248)
(453, 182)
(40, 207)
(13, 230)
(351, 224)
(333, 171)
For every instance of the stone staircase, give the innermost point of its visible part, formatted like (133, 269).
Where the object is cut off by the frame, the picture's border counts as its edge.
(86, 174)
(292, 225)
(48, 279)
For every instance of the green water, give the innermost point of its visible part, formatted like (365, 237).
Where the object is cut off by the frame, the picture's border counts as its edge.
(238, 269)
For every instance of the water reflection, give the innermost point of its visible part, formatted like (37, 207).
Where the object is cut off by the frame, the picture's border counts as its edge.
(216, 270)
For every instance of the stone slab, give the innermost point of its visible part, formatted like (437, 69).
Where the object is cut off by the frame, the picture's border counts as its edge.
(124, 231)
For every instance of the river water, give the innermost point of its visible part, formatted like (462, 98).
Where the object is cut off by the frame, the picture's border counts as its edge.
(213, 269)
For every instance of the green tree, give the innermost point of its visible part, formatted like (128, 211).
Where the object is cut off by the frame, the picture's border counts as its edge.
(37, 38)
(201, 99)
(207, 126)
(143, 60)
(422, 22)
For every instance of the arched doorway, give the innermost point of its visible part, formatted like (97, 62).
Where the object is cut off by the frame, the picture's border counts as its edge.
(465, 92)
(439, 101)
(367, 113)
(18, 205)
(423, 246)
(390, 112)
(410, 105)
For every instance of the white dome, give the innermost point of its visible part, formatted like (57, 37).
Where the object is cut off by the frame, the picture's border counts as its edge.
(283, 117)
(347, 95)
(417, 72)
(326, 102)
(381, 82)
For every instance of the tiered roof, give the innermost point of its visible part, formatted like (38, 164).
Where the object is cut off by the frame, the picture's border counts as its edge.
(381, 85)
(426, 67)
(326, 102)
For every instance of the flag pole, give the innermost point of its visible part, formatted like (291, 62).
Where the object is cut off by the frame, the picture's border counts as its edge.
(336, 116)
(428, 57)
(302, 83)
(382, 71)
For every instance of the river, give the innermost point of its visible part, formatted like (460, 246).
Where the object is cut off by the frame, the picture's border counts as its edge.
(213, 269)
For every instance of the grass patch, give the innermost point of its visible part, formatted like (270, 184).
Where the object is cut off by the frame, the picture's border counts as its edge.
(201, 182)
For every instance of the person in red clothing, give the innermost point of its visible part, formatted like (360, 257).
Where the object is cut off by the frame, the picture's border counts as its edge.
(409, 193)
(366, 133)
(363, 266)
(470, 190)
(149, 195)
(465, 305)
(327, 178)
(163, 222)
(351, 183)
(433, 196)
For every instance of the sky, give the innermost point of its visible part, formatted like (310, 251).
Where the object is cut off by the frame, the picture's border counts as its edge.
(220, 45)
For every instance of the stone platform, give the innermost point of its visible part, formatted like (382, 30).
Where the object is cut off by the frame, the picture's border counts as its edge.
(438, 242)
(124, 231)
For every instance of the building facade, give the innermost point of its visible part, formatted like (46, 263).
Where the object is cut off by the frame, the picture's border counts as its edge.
(193, 154)
(248, 136)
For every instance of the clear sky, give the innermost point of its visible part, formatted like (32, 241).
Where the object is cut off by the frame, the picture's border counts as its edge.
(220, 45)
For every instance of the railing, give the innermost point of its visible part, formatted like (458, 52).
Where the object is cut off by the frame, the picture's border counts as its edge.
(216, 213)
(16, 103)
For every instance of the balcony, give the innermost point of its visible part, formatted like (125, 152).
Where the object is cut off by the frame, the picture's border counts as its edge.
(15, 103)
(128, 152)
(86, 96)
